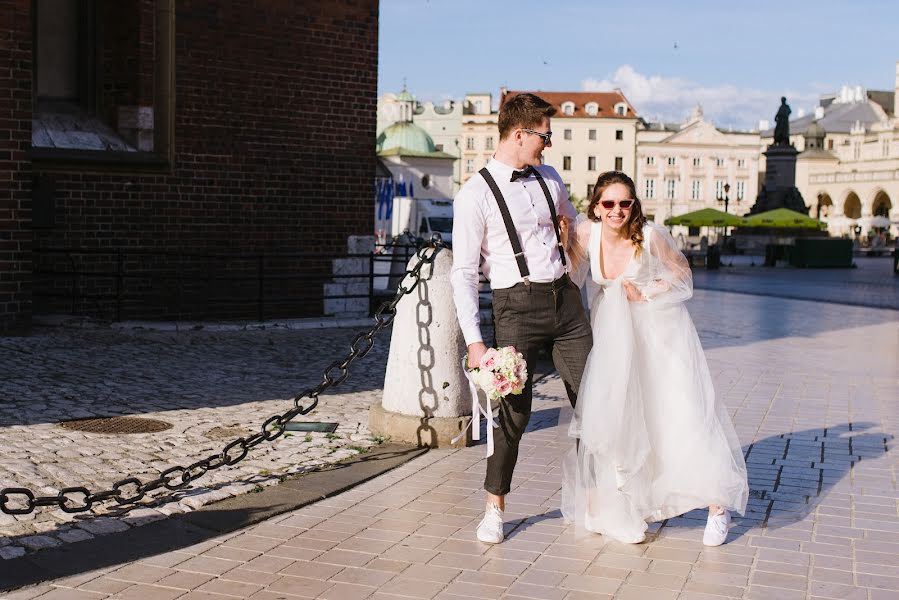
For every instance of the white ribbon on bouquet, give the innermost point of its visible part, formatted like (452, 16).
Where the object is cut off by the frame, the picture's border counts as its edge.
(476, 412)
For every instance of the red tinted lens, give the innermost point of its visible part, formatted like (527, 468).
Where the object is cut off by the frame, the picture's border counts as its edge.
(610, 204)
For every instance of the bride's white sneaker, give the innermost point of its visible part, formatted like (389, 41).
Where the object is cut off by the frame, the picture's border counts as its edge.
(490, 529)
(716, 528)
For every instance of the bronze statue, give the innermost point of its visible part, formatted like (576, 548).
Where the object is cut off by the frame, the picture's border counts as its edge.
(782, 128)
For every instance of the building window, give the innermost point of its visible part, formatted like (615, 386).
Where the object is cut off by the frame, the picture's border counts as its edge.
(619, 134)
(697, 162)
(568, 108)
(86, 84)
(621, 109)
(886, 148)
(591, 134)
(568, 188)
(469, 165)
(669, 189)
(719, 188)
(696, 189)
(469, 143)
(672, 161)
(650, 189)
(619, 163)
(741, 190)
(857, 150)
(830, 144)
(741, 162)
(590, 187)
(566, 134)
(591, 108)
(566, 163)
(650, 160)
(489, 144)
(719, 162)
(591, 163)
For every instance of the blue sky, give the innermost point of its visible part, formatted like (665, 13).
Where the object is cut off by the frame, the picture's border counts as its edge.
(736, 58)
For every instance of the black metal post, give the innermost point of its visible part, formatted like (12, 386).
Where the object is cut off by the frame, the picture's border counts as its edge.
(371, 281)
(119, 284)
(261, 286)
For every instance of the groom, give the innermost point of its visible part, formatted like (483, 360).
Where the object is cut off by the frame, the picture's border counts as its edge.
(508, 214)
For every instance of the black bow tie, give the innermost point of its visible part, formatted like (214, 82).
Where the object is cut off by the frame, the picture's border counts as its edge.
(525, 172)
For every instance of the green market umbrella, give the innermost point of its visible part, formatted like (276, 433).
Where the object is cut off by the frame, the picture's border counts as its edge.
(706, 217)
(783, 218)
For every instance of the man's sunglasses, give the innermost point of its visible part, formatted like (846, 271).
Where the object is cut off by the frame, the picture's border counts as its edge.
(610, 204)
(547, 137)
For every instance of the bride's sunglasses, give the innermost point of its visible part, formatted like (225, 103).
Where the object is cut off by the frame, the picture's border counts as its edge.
(610, 204)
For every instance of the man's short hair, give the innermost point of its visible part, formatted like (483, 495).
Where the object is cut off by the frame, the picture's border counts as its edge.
(524, 111)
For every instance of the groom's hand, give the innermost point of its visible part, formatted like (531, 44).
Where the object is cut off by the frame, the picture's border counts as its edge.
(633, 294)
(475, 352)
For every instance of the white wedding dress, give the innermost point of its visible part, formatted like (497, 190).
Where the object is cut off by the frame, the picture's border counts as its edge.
(654, 440)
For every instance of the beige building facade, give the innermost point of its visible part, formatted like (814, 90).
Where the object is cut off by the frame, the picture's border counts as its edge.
(848, 172)
(695, 165)
(480, 134)
(593, 132)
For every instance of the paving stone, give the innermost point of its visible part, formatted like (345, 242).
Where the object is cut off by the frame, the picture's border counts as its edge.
(809, 386)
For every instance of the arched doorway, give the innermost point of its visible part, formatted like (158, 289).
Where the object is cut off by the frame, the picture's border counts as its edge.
(825, 205)
(882, 205)
(880, 216)
(852, 207)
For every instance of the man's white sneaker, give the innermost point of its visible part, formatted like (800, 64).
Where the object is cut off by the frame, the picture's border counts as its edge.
(716, 528)
(490, 529)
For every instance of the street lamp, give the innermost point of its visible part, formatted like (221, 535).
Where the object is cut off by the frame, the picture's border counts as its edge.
(726, 201)
(726, 198)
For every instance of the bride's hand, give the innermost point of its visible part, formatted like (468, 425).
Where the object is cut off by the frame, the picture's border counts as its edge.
(564, 228)
(633, 294)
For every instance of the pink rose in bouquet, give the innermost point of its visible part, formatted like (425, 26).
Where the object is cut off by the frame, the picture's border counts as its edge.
(502, 371)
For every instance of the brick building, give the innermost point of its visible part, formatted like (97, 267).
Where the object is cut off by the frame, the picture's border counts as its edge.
(156, 156)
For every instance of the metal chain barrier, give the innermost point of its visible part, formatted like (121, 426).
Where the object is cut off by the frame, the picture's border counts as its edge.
(75, 499)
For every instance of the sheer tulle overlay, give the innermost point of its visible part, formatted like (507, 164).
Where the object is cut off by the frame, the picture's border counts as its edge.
(654, 441)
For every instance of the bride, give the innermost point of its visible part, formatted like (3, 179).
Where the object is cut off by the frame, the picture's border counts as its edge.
(654, 440)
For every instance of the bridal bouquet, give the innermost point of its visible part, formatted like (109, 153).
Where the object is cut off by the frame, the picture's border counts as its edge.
(502, 371)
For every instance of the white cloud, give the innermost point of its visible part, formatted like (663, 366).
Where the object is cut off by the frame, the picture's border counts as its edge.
(671, 99)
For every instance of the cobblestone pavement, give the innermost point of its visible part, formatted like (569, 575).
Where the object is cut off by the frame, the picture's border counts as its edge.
(871, 283)
(812, 387)
(212, 386)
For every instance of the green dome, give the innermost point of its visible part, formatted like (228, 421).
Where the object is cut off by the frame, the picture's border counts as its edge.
(405, 136)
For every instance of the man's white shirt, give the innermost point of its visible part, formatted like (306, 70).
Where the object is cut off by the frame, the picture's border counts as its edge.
(479, 230)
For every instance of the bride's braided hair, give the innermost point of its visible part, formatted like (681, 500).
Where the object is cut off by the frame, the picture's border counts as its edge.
(637, 219)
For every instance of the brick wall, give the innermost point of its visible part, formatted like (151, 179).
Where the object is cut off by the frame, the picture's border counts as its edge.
(274, 127)
(15, 170)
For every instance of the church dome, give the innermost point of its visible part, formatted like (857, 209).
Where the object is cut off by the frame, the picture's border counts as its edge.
(815, 131)
(405, 136)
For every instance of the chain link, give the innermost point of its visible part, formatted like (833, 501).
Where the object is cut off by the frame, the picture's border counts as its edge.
(23, 501)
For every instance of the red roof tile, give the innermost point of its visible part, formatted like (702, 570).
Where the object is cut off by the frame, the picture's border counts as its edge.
(605, 101)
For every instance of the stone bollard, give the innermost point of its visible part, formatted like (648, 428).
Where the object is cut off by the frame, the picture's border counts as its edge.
(426, 400)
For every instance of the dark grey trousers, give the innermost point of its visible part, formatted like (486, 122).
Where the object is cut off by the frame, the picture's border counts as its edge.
(531, 317)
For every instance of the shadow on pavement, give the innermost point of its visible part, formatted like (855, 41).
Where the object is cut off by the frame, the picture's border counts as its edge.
(790, 476)
(185, 530)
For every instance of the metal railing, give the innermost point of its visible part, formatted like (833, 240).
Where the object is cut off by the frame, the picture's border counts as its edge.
(120, 283)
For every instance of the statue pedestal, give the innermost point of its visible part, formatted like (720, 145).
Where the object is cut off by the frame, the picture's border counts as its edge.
(426, 399)
(780, 168)
(779, 189)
